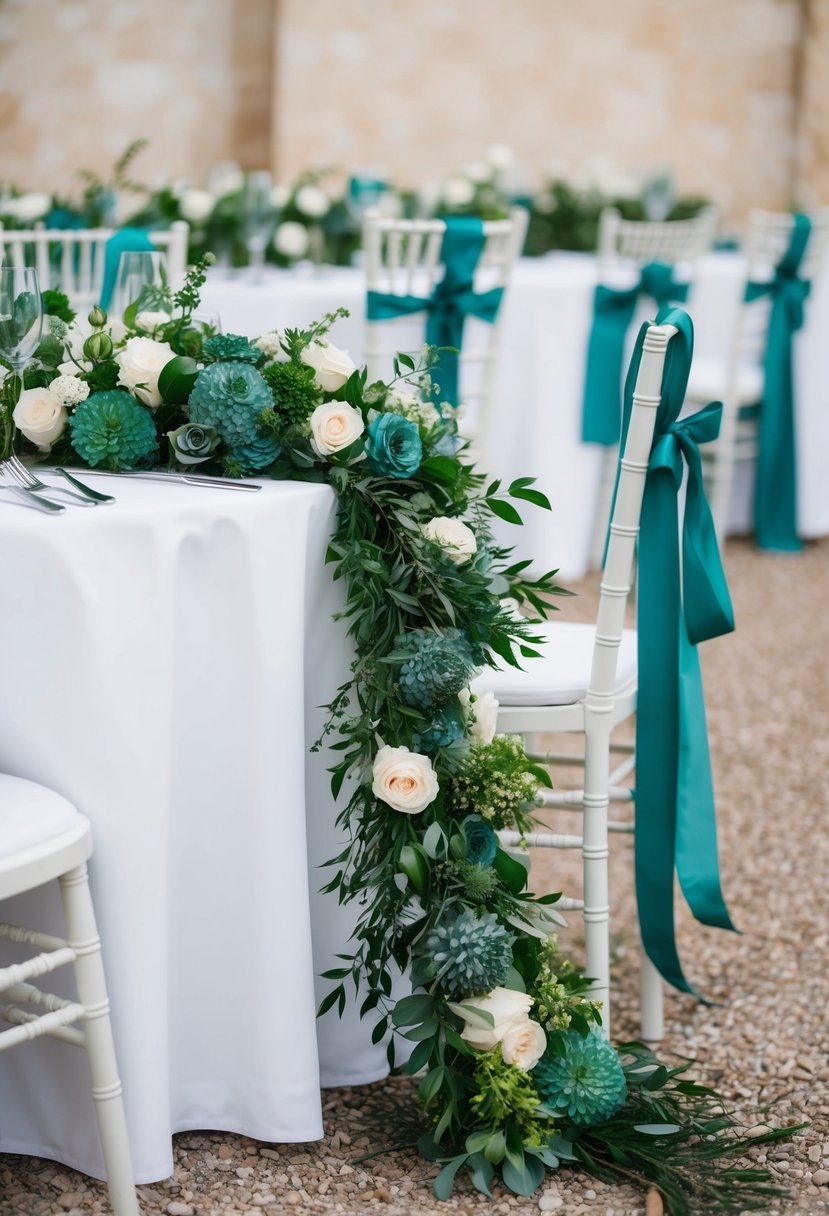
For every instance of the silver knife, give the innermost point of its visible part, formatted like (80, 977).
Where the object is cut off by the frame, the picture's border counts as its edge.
(218, 483)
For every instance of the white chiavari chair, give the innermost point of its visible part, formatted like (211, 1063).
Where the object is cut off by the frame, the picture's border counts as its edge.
(402, 257)
(43, 838)
(737, 378)
(585, 683)
(72, 260)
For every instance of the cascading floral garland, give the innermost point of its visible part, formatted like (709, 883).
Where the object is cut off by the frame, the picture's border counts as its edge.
(515, 1077)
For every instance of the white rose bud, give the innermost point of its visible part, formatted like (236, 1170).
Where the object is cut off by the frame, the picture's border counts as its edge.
(27, 208)
(140, 363)
(458, 191)
(485, 711)
(332, 366)
(291, 239)
(196, 205)
(453, 536)
(312, 201)
(40, 415)
(404, 780)
(150, 321)
(335, 426)
(523, 1044)
(507, 1008)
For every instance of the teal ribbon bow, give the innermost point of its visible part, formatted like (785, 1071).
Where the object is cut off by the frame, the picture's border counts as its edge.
(613, 310)
(683, 599)
(125, 240)
(775, 486)
(452, 301)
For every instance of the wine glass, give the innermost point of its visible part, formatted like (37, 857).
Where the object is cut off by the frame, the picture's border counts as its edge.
(21, 323)
(140, 280)
(259, 217)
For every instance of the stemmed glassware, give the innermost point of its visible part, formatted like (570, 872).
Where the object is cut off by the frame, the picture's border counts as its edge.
(140, 281)
(259, 218)
(21, 324)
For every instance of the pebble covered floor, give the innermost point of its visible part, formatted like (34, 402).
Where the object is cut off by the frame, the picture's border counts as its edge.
(767, 690)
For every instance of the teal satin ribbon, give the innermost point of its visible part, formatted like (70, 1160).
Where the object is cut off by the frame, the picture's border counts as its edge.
(682, 600)
(125, 240)
(613, 310)
(775, 485)
(452, 301)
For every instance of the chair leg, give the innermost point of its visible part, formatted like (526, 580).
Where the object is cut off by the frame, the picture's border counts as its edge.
(82, 934)
(651, 1002)
(604, 503)
(595, 862)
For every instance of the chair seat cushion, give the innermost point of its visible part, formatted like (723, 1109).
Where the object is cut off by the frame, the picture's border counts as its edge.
(31, 815)
(709, 376)
(561, 675)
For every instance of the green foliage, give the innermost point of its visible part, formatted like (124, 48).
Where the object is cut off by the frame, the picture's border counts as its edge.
(497, 782)
(295, 392)
(503, 1094)
(56, 304)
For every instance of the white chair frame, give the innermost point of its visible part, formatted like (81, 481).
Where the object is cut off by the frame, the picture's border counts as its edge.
(64, 857)
(402, 257)
(603, 708)
(767, 239)
(83, 256)
(625, 245)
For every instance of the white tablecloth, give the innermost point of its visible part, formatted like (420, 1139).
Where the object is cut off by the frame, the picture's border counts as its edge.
(164, 659)
(536, 423)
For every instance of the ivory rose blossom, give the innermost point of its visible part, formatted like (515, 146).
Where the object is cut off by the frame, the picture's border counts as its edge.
(523, 1044)
(141, 362)
(332, 366)
(404, 780)
(453, 536)
(196, 205)
(40, 415)
(334, 427)
(485, 710)
(508, 1009)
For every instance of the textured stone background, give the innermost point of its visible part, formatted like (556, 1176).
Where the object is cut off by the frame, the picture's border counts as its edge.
(735, 96)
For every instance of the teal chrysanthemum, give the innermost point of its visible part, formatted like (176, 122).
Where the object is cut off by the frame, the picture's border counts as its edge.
(230, 397)
(446, 726)
(469, 954)
(439, 666)
(296, 393)
(112, 429)
(231, 346)
(586, 1083)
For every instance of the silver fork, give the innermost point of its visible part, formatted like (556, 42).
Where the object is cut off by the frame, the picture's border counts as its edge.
(26, 478)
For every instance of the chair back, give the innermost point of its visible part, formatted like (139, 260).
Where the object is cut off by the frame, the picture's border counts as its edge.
(403, 257)
(617, 576)
(73, 260)
(630, 243)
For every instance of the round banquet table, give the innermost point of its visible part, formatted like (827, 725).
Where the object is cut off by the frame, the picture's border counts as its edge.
(536, 421)
(165, 661)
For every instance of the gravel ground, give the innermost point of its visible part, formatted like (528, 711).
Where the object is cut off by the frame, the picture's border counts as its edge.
(768, 702)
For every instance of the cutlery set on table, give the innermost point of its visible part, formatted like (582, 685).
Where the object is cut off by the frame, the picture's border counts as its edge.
(27, 489)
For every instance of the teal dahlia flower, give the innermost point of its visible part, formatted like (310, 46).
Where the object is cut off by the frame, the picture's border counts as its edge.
(230, 397)
(586, 1083)
(112, 429)
(231, 346)
(393, 446)
(439, 666)
(481, 841)
(469, 954)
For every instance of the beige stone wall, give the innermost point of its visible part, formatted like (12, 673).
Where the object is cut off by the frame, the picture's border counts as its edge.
(79, 79)
(708, 87)
(419, 88)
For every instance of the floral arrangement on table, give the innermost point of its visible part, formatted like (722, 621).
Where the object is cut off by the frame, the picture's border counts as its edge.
(515, 1077)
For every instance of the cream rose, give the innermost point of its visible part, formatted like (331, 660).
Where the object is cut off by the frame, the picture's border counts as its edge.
(454, 536)
(291, 239)
(27, 208)
(523, 1044)
(332, 366)
(404, 780)
(196, 205)
(140, 363)
(312, 201)
(150, 321)
(485, 712)
(458, 192)
(508, 1009)
(335, 426)
(40, 415)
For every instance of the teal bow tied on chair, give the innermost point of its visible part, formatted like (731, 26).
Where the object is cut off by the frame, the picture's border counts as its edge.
(125, 240)
(451, 302)
(683, 599)
(613, 310)
(775, 487)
